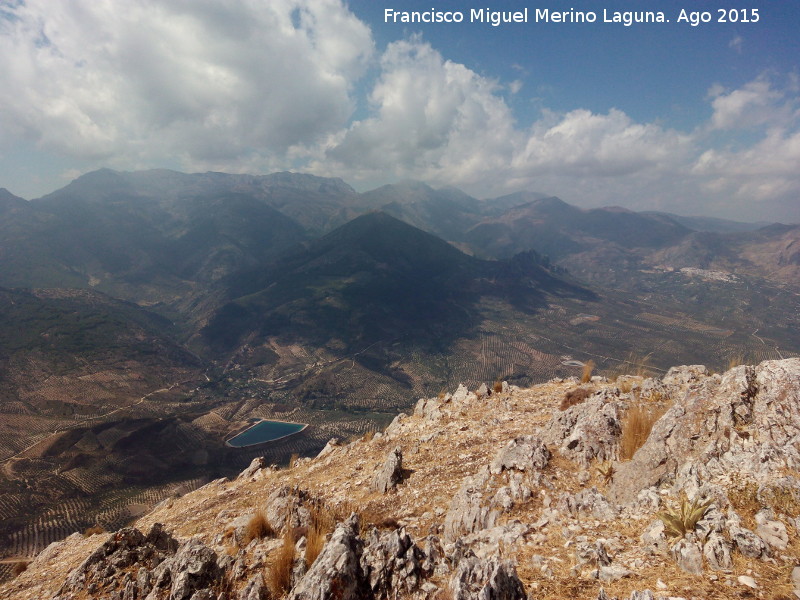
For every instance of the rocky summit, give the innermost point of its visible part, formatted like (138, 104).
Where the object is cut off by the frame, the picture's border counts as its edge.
(682, 487)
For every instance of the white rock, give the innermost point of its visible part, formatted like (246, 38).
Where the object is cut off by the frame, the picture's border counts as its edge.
(748, 581)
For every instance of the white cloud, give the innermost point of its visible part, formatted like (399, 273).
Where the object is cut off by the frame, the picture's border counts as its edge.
(757, 103)
(197, 80)
(257, 86)
(433, 119)
(441, 122)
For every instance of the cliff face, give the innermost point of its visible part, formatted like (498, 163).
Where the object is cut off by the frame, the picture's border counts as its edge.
(497, 494)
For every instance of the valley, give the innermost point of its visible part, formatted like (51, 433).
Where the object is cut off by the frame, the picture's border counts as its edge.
(148, 317)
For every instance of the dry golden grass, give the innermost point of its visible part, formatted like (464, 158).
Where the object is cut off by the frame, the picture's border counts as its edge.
(636, 427)
(93, 530)
(322, 523)
(735, 361)
(586, 375)
(279, 571)
(625, 386)
(497, 387)
(257, 527)
(574, 397)
(744, 498)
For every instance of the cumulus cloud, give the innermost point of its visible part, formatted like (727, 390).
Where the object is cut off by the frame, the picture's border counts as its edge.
(256, 86)
(756, 103)
(200, 80)
(439, 121)
(433, 119)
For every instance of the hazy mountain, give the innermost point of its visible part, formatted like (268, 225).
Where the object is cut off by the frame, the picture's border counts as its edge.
(140, 239)
(375, 278)
(447, 212)
(711, 224)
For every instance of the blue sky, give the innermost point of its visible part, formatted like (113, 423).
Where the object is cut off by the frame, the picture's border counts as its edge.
(666, 116)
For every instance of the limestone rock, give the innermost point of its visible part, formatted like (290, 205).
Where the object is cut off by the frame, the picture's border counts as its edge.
(771, 531)
(255, 589)
(256, 465)
(717, 552)
(193, 568)
(491, 579)
(468, 513)
(391, 473)
(523, 453)
(586, 431)
(391, 562)
(747, 542)
(588, 501)
(337, 573)
(688, 554)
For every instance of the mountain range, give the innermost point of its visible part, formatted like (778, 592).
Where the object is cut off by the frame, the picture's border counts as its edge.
(147, 316)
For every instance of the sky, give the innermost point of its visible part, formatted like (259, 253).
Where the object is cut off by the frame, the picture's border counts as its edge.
(695, 119)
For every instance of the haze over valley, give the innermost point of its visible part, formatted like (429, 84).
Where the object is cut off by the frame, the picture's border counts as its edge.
(148, 316)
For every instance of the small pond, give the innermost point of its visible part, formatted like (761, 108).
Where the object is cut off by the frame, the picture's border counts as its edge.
(265, 431)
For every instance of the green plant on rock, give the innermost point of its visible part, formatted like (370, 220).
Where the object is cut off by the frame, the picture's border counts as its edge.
(680, 521)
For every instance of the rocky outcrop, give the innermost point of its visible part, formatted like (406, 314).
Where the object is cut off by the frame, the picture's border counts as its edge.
(588, 431)
(392, 563)
(491, 509)
(468, 511)
(523, 453)
(491, 579)
(744, 421)
(337, 572)
(164, 568)
(391, 473)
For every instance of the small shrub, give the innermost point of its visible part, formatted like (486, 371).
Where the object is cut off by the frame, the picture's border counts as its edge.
(607, 471)
(735, 361)
(636, 427)
(93, 530)
(586, 375)
(279, 572)
(682, 520)
(258, 527)
(497, 387)
(574, 397)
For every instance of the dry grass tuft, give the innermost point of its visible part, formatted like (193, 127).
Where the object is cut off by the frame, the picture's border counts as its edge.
(783, 500)
(323, 522)
(279, 572)
(743, 496)
(93, 530)
(497, 387)
(258, 527)
(586, 375)
(574, 397)
(735, 361)
(636, 427)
